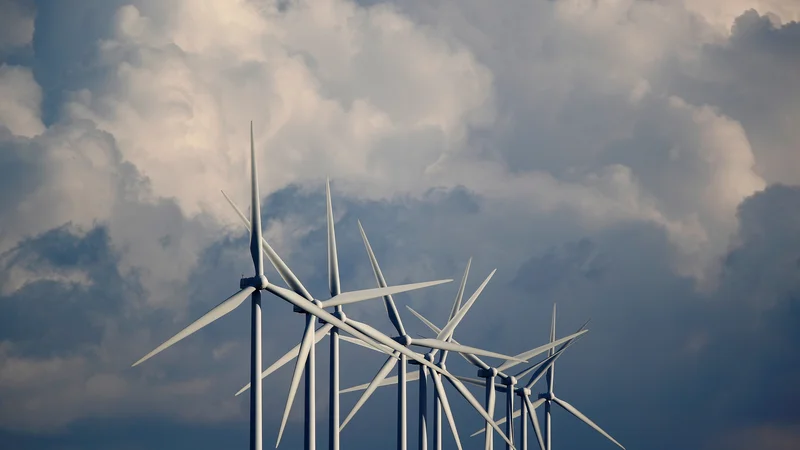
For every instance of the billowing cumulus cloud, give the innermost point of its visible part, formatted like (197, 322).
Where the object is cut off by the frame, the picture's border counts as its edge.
(633, 161)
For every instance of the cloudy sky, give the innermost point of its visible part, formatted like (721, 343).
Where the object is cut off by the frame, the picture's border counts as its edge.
(636, 162)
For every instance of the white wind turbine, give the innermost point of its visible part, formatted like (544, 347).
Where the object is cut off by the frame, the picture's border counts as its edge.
(249, 287)
(547, 367)
(457, 313)
(488, 373)
(524, 392)
(253, 287)
(549, 398)
(440, 343)
(304, 352)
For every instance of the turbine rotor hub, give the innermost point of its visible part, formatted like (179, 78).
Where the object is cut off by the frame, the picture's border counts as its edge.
(510, 381)
(259, 282)
(339, 314)
(404, 340)
(491, 372)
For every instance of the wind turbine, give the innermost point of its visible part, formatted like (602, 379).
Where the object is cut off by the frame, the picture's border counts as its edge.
(549, 398)
(546, 398)
(489, 373)
(524, 392)
(248, 287)
(304, 352)
(253, 287)
(457, 313)
(435, 344)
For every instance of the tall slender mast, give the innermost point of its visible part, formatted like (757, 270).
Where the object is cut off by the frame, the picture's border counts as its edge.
(423, 408)
(548, 402)
(310, 415)
(402, 402)
(255, 327)
(523, 425)
(490, 379)
(437, 420)
(334, 286)
(510, 387)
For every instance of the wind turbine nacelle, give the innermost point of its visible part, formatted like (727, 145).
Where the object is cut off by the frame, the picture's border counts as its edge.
(547, 396)
(404, 340)
(303, 311)
(491, 372)
(259, 282)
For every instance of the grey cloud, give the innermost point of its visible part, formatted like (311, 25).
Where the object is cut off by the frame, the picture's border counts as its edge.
(749, 78)
(16, 24)
(568, 112)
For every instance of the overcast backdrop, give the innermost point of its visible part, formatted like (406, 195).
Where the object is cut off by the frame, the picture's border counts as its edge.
(636, 162)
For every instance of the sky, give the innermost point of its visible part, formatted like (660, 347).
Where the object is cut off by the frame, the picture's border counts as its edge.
(636, 162)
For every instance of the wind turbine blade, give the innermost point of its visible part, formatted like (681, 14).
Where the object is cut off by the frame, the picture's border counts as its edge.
(548, 363)
(451, 325)
(482, 383)
(346, 298)
(300, 364)
(290, 355)
(499, 422)
(379, 377)
(460, 294)
(410, 376)
(388, 302)
(283, 270)
(571, 409)
(475, 381)
(255, 208)
(216, 312)
(333, 259)
(547, 360)
(538, 350)
(534, 420)
(551, 366)
(444, 345)
(472, 359)
(553, 325)
(368, 334)
(437, 382)
(362, 344)
(475, 404)
(534, 367)
(456, 306)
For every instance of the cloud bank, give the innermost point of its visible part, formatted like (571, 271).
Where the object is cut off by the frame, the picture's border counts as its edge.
(634, 161)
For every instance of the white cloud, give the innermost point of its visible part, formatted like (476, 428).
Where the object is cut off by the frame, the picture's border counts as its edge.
(22, 97)
(540, 109)
(721, 15)
(335, 89)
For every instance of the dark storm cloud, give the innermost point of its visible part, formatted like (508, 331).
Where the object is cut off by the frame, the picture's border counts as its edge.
(46, 318)
(751, 78)
(662, 355)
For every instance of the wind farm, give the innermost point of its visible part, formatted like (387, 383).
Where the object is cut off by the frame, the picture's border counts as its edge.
(399, 351)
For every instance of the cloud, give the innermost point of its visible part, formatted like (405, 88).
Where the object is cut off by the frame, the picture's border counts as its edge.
(747, 78)
(22, 98)
(16, 25)
(175, 94)
(613, 157)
